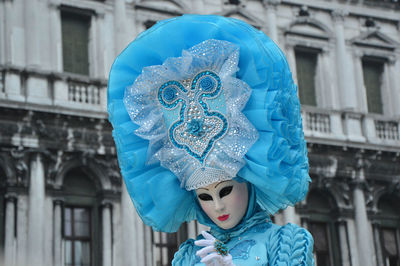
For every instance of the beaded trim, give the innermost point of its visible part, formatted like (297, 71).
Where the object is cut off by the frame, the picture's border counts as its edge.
(198, 127)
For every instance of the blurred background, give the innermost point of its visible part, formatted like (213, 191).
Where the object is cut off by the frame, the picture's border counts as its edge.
(62, 199)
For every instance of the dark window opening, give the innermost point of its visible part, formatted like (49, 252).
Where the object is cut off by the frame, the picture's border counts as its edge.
(80, 227)
(390, 246)
(149, 23)
(321, 212)
(319, 232)
(75, 42)
(389, 229)
(306, 66)
(373, 72)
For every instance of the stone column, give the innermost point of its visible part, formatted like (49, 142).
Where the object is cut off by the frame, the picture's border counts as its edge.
(289, 215)
(394, 84)
(120, 23)
(363, 227)
(344, 247)
(57, 232)
(128, 213)
(106, 234)
(148, 245)
(377, 242)
(36, 212)
(344, 64)
(353, 246)
(139, 236)
(10, 36)
(9, 241)
(271, 6)
(291, 58)
(192, 229)
(55, 36)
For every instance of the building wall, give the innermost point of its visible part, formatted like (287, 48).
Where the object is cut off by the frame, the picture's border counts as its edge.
(57, 152)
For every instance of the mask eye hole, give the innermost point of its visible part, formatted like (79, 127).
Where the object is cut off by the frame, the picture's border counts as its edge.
(205, 197)
(225, 191)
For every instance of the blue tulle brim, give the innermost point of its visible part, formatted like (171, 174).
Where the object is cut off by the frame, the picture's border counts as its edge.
(277, 163)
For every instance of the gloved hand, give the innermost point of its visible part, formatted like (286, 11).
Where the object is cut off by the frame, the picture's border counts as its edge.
(209, 254)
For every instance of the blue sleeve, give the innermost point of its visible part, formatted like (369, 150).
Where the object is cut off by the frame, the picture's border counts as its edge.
(186, 255)
(291, 245)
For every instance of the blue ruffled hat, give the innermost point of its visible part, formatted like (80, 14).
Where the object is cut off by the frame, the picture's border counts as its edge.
(199, 99)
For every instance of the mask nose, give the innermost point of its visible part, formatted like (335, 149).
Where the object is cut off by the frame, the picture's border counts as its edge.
(219, 205)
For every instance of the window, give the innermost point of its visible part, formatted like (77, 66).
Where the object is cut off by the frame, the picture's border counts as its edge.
(306, 68)
(390, 246)
(75, 42)
(80, 220)
(373, 70)
(166, 244)
(321, 242)
(389, 230)
(77, 234)
(321, 212)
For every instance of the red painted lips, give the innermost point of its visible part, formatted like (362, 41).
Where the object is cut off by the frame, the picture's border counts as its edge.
(223, 217)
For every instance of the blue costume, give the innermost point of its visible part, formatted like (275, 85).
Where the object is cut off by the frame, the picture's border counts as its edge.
(255, 241)
(197, 100)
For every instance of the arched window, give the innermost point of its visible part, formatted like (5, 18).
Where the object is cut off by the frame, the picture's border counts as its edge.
(387, 231)
(80, 220)
(320, 216)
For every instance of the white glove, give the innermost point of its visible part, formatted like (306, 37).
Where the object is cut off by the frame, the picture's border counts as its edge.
(209, 255)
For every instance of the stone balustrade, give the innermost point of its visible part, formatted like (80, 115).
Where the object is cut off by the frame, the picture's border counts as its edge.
(80, 95)
(348, 126)
(53, 92)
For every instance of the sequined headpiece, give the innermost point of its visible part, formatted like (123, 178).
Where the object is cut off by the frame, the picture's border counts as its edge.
(199, 99)
(189, 108)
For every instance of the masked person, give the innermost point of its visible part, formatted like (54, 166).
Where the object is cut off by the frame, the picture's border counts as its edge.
(207, 127)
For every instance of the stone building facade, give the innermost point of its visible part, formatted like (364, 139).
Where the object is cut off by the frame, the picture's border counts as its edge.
(62, 200)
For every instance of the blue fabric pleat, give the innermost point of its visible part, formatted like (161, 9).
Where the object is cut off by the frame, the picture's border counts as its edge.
(276, 165)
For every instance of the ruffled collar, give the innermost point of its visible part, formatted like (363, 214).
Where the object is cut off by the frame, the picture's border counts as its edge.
(226, 235)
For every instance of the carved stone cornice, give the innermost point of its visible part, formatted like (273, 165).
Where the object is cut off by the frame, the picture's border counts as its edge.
(33, 129)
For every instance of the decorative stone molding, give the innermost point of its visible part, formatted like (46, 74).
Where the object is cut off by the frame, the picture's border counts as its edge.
(110, 164)
(106, 203)
(309, 28)
(271, 3)
(11, 197)
(58, 201)
(244, 15)
(339, 15)
(171, 7)
(374, 39)
(20, 159)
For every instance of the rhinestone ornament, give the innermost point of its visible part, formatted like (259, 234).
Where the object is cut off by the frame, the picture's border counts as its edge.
(221, 248)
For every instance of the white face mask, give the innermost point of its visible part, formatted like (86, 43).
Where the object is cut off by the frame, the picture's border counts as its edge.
(225, 203)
